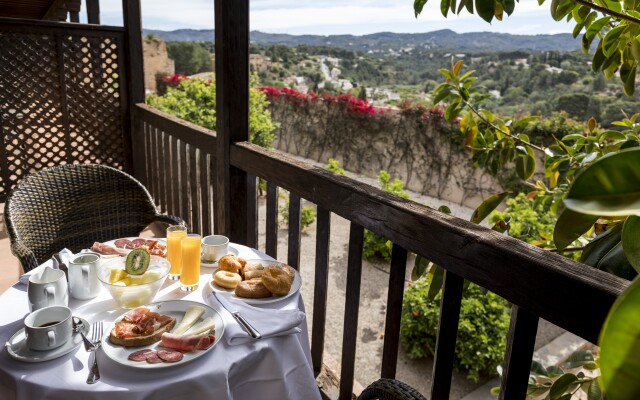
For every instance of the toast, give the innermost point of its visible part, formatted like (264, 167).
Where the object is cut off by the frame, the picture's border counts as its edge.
(140, 327)
(136, 341)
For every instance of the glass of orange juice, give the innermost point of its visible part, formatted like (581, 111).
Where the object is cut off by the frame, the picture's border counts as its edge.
(175, 234)
(190, 274)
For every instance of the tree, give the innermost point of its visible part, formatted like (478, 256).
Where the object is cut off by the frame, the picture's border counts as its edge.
(190, 58)
(362, 93)
(614, 25)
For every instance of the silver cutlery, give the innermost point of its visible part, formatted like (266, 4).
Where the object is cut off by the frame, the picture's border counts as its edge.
(79, 327)
(236, 314)
(96, 341)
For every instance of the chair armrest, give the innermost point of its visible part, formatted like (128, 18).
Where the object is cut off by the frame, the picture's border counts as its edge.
(25, 255)
(390, 389)
(170, 220)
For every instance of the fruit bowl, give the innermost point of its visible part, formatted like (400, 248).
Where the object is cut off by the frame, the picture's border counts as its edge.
(131, 291)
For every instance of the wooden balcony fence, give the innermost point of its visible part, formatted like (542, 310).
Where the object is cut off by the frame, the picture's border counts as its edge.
(209, 179)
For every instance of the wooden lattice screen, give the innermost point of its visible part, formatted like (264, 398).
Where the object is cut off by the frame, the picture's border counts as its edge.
(63, 97)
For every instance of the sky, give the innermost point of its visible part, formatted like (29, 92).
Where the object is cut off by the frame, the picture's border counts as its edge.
(331, 17)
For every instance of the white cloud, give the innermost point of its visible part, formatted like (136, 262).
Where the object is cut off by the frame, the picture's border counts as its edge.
(336, 17)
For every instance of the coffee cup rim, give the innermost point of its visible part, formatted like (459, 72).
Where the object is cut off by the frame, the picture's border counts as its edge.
(58, 274)
(224, 243)
(28, 319)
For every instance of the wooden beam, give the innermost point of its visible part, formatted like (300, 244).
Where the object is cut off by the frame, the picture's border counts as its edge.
(54, 12)
(93, 12)
(232, 111)
(135, 78)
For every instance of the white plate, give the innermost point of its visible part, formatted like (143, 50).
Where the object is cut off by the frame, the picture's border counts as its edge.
(112, 243)
(209, 264)
(17, 346)
(295, 286)
(172, 308)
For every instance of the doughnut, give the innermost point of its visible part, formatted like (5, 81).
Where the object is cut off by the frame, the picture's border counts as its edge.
(229, 263)
(252, 289)
(226, 279)
(276, 280)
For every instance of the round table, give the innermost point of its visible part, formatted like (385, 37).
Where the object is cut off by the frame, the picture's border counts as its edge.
(272, 368)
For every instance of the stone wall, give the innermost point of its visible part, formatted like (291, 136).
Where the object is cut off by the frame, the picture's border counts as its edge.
(418, 147)
(156, 61)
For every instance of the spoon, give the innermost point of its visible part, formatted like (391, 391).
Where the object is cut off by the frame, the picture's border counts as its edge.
(77, 326)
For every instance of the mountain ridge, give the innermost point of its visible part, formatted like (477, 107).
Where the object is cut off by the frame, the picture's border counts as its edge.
(444, 39)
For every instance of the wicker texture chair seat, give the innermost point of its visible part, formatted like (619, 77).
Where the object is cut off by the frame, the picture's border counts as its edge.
(74, 206)
(390, 389)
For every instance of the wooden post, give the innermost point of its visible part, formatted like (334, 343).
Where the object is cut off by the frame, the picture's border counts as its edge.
(135, 79)
(93, 11)
(232, 109)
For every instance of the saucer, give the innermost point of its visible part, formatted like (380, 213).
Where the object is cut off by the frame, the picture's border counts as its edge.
(209, 264)
(17, 346)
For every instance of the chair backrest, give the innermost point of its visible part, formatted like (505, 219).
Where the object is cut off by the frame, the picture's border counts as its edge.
(73, 206)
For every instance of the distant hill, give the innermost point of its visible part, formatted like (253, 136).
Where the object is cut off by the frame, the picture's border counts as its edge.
(441, 40)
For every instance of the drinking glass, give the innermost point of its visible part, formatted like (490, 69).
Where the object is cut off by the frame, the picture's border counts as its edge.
(175, 234)
(190, 274)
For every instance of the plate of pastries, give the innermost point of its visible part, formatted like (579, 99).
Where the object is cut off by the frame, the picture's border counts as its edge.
(254, 281)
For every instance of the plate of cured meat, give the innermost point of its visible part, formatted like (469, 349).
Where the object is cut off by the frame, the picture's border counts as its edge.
(122, 247)
(163, 334)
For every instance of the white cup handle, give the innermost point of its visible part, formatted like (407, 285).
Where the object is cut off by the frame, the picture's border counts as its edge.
(52, 338)
(85, 275)
(50, 292)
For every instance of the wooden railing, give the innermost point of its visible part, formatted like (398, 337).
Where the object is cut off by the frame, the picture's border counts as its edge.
(540, 284)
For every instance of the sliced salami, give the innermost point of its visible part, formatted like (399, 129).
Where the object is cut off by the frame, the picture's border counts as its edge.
(139, 242)
(140, 355)
(170, 356)
(152, 357)
(124, 244)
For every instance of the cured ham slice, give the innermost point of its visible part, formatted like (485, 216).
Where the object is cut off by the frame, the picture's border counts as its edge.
(187, 342)
(140, 322)
(106, 249)
(124, 244)
(170, 355)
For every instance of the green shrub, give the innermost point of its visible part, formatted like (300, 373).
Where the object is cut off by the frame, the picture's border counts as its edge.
(482, 330)
(194, 100)
(530, 221)
(376, 245)
(334, 167)
(307, 215)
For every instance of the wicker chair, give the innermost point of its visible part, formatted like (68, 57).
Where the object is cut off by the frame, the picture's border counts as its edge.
(73, 206)
(390, 389)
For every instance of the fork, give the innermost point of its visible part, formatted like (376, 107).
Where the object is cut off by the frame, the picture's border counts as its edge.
(96, 341)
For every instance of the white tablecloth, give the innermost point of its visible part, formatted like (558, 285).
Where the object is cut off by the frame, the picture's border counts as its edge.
(275, 368)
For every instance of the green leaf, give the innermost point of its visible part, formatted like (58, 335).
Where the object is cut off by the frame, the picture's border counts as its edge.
(509, 6)
(598, 59)
(444, 209)
(595, 27)
(631, 241)
(554, 371)
(570, 226)
(436, 278)
(420, 267)
(601, 245)
(486, 9)
(525, 166)
(620, 346)
(444, 7)
(579, 359)
(611, 40)
(487, 206)
(418, 5)
(608, 187)
(560, 8)
(538, 369)
(561, 385)
(615, 262)
(594, 392)
(630, 82)
(441, 96)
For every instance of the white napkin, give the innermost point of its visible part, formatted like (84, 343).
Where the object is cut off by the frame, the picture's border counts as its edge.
(269, 322)
(65, 256)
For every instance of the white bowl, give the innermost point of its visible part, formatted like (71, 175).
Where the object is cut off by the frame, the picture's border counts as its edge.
(133, 296)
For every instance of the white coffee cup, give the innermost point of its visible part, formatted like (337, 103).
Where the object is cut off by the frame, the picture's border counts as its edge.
(83, 276)
(48, 328)
(47, 288)
(214, 247)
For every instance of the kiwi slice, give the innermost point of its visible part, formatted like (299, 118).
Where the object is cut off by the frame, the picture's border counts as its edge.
(137, 262)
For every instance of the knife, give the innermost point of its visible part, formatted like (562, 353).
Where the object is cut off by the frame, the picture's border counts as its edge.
(236, 314)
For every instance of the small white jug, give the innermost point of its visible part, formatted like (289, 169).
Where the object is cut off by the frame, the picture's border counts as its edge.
(83, 276)
(47, 288)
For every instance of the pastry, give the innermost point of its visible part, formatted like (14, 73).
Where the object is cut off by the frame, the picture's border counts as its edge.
(226, 279)
(277, 280)
(252, 289)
